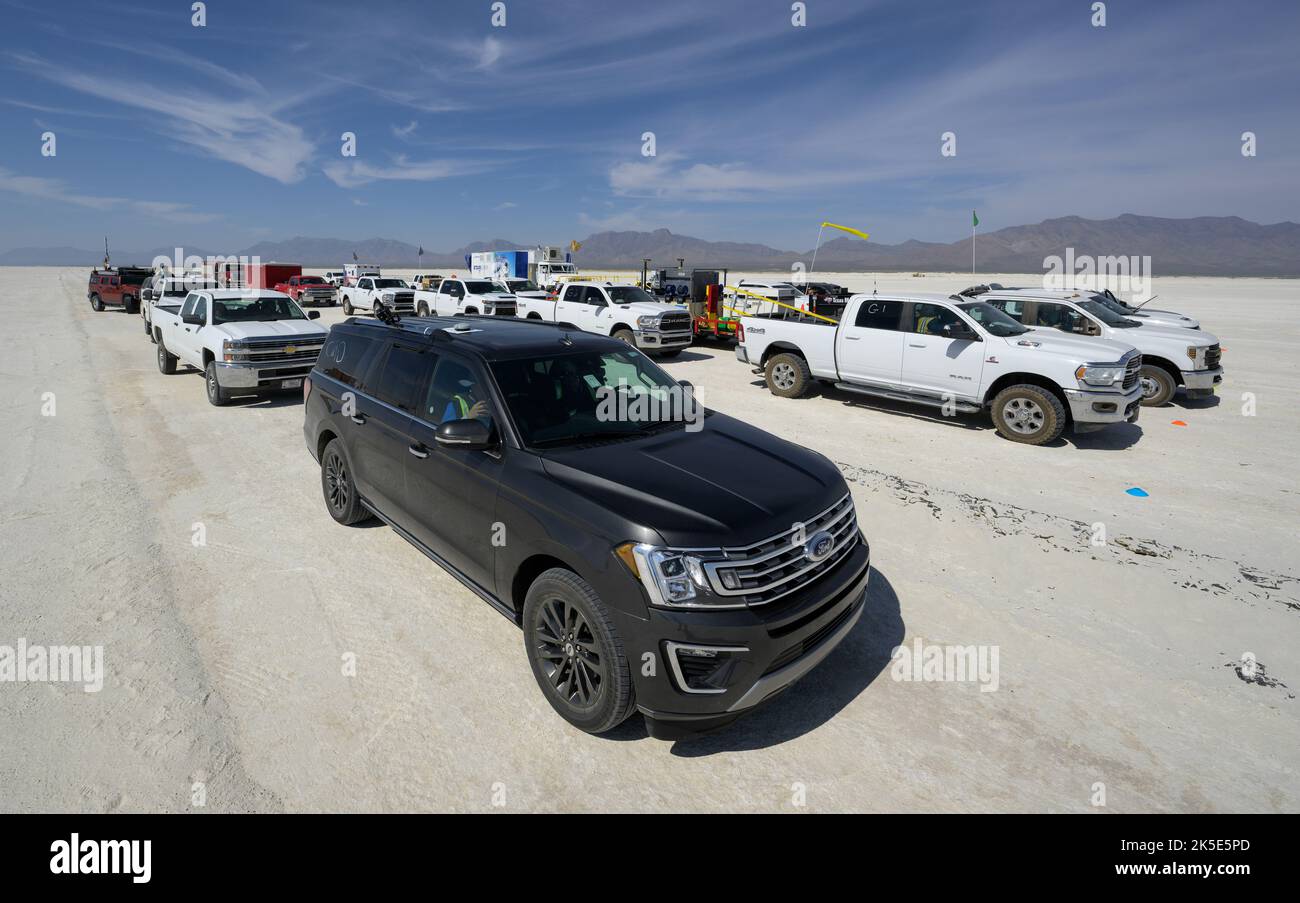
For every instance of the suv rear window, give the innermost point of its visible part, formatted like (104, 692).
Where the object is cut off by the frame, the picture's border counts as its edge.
(346, 357)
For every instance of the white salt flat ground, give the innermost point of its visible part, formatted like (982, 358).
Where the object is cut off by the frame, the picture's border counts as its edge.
(223, 663)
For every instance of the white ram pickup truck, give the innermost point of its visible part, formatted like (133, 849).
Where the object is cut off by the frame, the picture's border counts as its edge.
(1147, 316)
(956, 354)
(1172, 357)
(244, 340)
(465, 297)
(625, 312)
(392, 293)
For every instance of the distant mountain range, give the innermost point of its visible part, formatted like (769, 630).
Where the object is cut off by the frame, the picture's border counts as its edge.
(1200, 246)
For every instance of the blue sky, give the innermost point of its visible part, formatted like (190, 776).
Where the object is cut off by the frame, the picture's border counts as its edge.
(221, 136)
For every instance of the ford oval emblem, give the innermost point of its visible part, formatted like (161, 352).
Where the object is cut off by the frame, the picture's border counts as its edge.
(818, 546)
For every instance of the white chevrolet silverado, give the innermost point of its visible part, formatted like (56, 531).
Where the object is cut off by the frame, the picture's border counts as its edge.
(244, 340)
(956, 354)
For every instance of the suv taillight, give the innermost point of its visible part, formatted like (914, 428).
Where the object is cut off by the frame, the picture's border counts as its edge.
(306, 388)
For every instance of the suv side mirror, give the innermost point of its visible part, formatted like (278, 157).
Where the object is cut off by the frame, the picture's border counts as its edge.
(960, 331)
(468, 433)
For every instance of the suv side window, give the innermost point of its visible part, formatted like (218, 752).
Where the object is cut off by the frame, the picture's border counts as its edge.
(404, 374)
(457, 386)
(347, 357)
(930, 319)
(1013, 309)
(875, 314)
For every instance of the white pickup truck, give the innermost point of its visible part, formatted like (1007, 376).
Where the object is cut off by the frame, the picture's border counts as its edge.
(522, 288)
(1172, 357)
(392, 293)
(960, 355)
(164, 289)
(244, 340)
(465, 297)
(625, 312)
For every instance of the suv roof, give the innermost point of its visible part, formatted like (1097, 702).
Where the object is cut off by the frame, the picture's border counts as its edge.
(494, 337)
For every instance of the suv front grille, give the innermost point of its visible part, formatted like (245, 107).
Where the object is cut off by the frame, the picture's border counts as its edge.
(1132, 371)
(812, 641)
(759, 573)
(1212, 355)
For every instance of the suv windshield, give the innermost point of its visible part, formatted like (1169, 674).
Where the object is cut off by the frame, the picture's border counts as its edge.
(992, 319)
(389, 283)
(562, 399)
(1106, 315)
(254, 310)
(627, 294)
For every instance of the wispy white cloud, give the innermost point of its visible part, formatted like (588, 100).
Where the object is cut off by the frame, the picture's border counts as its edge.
(56, 190)
(505, 205)
(403, 131)
(354, 172)
(244, 131)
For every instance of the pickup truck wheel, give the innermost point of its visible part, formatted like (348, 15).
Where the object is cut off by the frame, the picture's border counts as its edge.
(217, 396)
(132, 305)
(422, 309)
(1158, 385)
(533, 316)
(623, 334)
(1028, 414)
(788, 375)
(148, 330)
(576, 653)
(166, 362)
(336, 482)
(96, 303)
(347, 306)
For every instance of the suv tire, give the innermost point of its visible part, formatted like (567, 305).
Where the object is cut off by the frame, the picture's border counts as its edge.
(1028, 414)
(1158, 386)
(575, 652)
(96, 304)
(787, 375)
(336, 483)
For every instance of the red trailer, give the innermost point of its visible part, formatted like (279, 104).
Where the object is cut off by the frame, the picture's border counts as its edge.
(237, 274)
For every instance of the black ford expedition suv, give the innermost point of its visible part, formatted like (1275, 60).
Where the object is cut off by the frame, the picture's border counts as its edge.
(687, 568)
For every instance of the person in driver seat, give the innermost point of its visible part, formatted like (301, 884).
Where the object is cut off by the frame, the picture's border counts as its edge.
(465, 404)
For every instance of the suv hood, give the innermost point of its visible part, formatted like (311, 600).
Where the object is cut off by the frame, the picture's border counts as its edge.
(260, 330)
(1085, 349)
(728, 484)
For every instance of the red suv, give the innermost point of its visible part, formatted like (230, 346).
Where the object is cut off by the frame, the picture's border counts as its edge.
(118, 287)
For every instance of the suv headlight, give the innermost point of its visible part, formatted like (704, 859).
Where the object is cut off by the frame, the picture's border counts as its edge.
(673, 579)
(649, 321)
(1100, 374)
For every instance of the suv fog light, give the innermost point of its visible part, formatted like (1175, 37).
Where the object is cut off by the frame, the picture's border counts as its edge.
(703, 669)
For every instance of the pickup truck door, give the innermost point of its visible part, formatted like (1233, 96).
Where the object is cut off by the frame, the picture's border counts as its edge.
(869, 347)
(453, 491)
(190, 348)
(936, 364)
(570, 307)
(447, 301)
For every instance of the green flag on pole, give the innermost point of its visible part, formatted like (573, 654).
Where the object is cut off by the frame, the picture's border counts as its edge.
(976, 219)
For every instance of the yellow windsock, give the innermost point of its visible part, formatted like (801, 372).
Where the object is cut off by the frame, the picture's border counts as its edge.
(849, 230)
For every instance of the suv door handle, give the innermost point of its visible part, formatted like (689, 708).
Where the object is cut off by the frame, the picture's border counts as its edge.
(418, 449)
(359, 418)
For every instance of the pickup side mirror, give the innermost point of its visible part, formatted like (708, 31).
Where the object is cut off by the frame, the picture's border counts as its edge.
(960, 331)
(468, 433)
(192, 319)
(313, 315)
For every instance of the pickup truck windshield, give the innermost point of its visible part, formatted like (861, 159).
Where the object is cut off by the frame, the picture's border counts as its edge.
(254, 310)
(311, 280)
(389, 283)
(523, 285)
(627, 294)
(589, 396)
(479, 288)
(992, 319)
(1107, 316)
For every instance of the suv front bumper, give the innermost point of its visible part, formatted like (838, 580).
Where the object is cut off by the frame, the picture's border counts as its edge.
(767, 650)
(1093, 410)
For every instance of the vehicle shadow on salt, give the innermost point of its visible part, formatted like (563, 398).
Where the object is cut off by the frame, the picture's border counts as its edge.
(684, 357)
(819, 696)
(285, 399)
